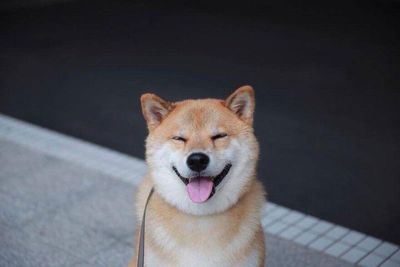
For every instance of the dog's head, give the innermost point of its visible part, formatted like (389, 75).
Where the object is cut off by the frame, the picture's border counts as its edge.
(202, 154)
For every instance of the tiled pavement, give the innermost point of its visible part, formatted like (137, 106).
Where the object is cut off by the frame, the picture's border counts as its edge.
(64, 202)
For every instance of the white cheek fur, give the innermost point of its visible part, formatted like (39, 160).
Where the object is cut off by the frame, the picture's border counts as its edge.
(173, 190)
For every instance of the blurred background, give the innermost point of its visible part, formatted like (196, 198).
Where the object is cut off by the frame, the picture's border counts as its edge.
(326, 76)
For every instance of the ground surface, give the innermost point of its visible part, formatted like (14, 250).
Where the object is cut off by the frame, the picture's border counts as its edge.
(326, 79)
(54, 212)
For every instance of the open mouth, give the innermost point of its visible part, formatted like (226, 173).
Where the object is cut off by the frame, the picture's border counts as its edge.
(202, 188)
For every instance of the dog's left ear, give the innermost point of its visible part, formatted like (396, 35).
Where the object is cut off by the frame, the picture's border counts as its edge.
(242, 103)
(154, 109)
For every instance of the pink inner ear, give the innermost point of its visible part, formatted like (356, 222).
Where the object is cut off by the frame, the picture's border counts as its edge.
(239, 106)
(156, 112)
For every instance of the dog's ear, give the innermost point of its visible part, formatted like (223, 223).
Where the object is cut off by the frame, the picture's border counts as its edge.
(154, 109)
(242, 103)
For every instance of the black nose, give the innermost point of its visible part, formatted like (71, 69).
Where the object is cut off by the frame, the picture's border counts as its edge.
(198, 161)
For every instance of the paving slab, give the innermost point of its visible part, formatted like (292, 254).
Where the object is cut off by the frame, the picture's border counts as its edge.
(17, 249)
(117, 255)
(281, 252)
(40, 179)
(15, 212)
(109, 208)
(58, 230)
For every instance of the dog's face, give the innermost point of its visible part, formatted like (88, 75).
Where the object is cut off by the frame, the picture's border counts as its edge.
(201, 154)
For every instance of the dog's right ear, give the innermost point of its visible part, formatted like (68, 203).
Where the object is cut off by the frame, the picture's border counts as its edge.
(154, 109)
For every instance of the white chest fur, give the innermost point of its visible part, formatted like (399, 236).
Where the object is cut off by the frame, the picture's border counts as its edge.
(202, 242)
(194, 259)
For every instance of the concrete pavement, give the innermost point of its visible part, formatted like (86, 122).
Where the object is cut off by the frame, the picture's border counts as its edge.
(65, 202)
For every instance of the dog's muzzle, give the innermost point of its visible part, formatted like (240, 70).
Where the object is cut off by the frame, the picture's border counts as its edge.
(201, 188)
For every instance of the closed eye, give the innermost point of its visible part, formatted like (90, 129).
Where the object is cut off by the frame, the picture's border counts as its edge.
(179, 138)
(218, 136)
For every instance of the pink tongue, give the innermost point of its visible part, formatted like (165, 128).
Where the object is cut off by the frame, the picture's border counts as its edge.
(199, 189)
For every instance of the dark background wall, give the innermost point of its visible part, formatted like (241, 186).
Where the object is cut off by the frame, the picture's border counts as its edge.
(326, 78)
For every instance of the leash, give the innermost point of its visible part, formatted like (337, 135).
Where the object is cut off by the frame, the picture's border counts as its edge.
(140, 260)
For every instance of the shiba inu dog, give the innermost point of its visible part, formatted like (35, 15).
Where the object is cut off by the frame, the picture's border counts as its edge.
(206, 207)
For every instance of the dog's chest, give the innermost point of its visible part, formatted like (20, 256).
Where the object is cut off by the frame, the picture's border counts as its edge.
(195, 259)
(202, 243)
